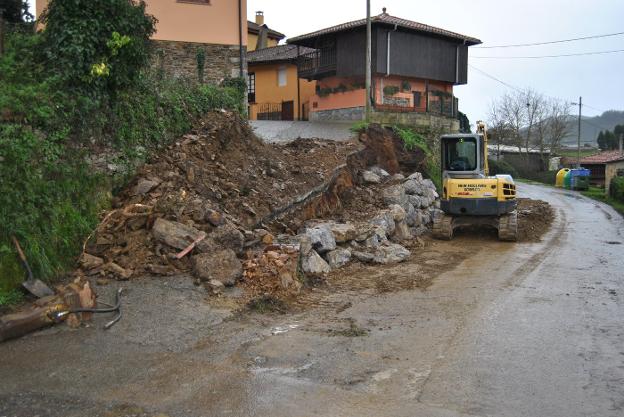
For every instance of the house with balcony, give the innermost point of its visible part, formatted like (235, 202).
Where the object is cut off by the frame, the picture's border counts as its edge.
(414, 69)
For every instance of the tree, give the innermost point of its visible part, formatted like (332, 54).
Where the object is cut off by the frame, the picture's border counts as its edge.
(16, 11)
(529, 120)
(97, 45)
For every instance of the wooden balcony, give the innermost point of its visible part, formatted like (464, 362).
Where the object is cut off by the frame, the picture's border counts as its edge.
(318, 64)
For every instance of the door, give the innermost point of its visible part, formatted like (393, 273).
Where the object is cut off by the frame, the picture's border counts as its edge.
(288, 110)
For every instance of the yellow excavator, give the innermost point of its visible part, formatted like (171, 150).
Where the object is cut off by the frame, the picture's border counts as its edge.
(470, 197)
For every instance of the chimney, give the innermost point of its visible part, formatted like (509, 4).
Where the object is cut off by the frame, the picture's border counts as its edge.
(384, 10)
(260, 17)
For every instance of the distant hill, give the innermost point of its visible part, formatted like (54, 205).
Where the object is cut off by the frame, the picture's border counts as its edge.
(591, 126)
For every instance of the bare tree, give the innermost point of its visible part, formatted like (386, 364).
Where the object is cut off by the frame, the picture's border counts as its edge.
(558, 123)
(529, 120)
(535, 114)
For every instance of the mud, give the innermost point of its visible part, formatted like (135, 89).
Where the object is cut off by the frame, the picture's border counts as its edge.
(534, 219)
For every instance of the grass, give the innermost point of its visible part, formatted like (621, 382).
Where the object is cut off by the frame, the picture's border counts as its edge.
(571, 153)
(598, 194)
(10, 297)
(267, 304)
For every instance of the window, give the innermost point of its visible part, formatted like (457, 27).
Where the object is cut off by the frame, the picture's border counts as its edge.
(251, 87)
(460, 154)
(281, 76)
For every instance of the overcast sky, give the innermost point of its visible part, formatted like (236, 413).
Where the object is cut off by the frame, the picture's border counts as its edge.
(598, 78)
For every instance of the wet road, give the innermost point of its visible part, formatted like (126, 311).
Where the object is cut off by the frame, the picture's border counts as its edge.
(515, 330)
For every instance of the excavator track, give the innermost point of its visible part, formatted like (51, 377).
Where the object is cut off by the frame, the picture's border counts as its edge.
(443, 226)
(508, 227)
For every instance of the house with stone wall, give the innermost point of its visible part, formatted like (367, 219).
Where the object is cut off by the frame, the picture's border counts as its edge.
(216, 29)
(414, 69)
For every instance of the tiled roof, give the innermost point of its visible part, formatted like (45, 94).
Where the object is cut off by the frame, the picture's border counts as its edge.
(253, 27)
(603, 157)
(390, 20)
(276, 53)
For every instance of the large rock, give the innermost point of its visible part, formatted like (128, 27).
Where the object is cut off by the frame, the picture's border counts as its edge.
(364, 257)
(178, 235)
(228, 236)
(402, 232)
(382, 173)
(376, 238)
(395, 194)
(370, 177)
(410, 215)
(338, 258)
(427, 183)
(415, 201)
(384, 220)
(144, 186)
(343, 232)
(413, 187)
(222, 266)
(321, 238)
(398, 213)
(390, 253)
(312, 263)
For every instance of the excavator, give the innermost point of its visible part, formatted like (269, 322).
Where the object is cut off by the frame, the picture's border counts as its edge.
(470, 197)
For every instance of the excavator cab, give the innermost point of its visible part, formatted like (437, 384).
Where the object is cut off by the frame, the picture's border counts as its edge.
(469, 196)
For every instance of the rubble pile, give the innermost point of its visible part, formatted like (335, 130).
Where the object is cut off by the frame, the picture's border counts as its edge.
(192, 206)
(410, 204)
(534, 219)
(232, 210)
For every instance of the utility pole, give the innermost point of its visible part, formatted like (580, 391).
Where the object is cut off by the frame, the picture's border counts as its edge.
(578, 149)
(578, 144)
(368, 61)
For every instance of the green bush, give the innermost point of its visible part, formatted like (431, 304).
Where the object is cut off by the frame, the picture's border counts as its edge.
(96, 44)
(616, 189)
(51, 113)
(412, 140)
(501, 167)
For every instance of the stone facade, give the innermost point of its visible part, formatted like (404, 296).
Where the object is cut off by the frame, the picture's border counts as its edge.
(418, 120)
(179, 59)
(352, 113)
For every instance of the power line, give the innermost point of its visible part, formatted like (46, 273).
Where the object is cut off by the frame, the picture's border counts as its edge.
(550, 42)
(496, 79)
(550, 56)
(591, 107)
(522, 91)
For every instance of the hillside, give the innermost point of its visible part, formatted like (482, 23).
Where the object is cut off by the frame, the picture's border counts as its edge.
(591, 126)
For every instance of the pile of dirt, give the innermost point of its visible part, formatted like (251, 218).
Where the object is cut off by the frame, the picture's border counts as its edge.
(534, 219)
(219, 174)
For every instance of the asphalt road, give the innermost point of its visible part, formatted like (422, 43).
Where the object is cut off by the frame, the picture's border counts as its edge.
(514, 330)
